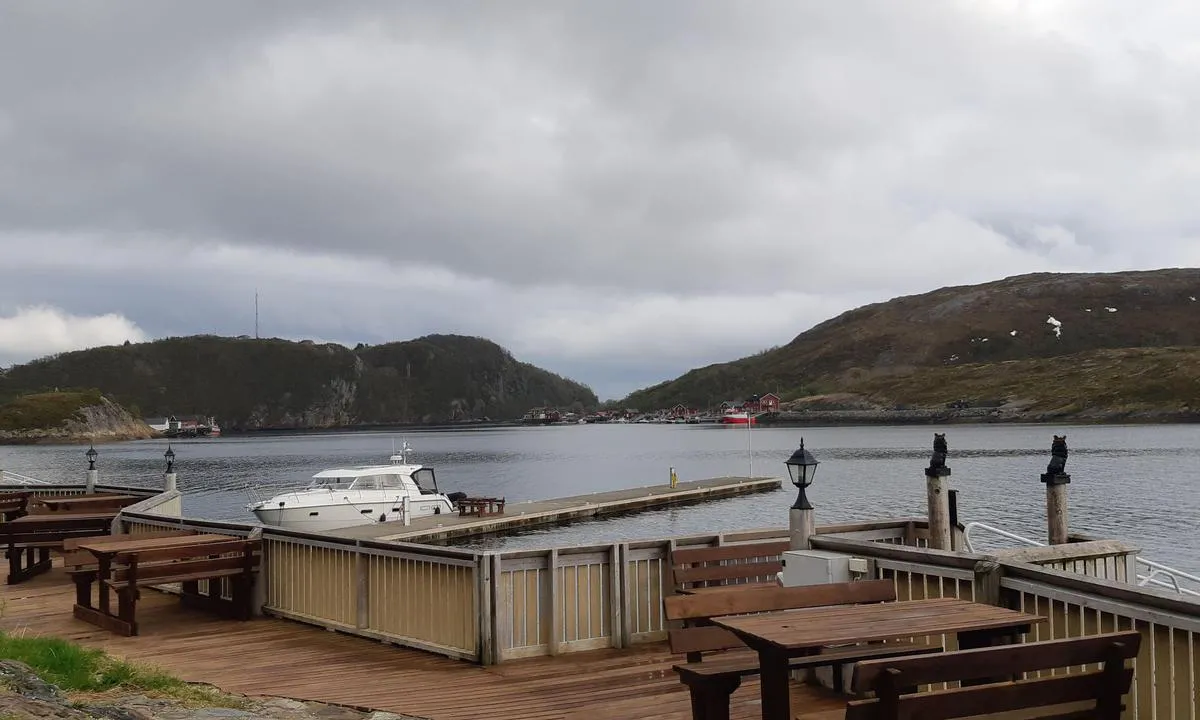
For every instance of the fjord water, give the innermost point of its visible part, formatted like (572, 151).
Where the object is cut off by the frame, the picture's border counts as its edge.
(1135, 483)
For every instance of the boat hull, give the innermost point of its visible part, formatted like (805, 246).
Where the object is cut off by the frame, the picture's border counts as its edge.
(318, 518)
(739, 419)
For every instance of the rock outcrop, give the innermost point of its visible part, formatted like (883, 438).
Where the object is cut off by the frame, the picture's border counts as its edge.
(68, 418)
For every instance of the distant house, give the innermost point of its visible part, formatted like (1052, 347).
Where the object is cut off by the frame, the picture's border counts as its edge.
(162, 424)
(730, 405)
(683, 411)
(769, 402)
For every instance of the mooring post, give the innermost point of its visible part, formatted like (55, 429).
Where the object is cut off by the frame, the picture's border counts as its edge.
(938, 496)
(1056, 481)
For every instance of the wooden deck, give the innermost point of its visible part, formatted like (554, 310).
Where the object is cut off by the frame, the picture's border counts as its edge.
(277, 657)
(529, 513)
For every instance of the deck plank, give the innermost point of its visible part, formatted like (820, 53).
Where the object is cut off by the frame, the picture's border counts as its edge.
(268, 656)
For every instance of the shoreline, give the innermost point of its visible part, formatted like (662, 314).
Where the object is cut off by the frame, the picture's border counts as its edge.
(809, 418)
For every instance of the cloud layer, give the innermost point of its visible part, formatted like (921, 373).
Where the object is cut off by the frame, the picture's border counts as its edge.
(39, 331)
(617, 191)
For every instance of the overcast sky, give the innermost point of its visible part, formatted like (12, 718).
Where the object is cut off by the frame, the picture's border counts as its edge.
(616, 191)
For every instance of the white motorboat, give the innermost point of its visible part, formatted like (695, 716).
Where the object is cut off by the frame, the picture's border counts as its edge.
(346, 497)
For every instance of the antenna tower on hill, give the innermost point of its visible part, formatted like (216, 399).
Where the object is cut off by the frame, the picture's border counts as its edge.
(255, 314)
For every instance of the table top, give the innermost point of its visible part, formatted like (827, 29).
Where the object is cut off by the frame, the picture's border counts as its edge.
(816, 627)
(103, 546)
(64, 518)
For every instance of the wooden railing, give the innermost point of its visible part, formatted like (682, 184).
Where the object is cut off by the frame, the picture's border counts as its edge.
(1166, 673)
(413, 595)
(497, 606)
(80, 489)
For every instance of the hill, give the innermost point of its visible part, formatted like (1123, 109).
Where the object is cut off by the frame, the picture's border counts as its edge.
(82, 416)
(1120, 344)
(280, 384)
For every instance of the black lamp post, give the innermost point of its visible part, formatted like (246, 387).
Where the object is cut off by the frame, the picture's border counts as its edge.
(802, 466)
(170, 456)
(91, 456)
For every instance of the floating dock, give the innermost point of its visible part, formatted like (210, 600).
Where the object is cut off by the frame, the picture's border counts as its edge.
(518, 515)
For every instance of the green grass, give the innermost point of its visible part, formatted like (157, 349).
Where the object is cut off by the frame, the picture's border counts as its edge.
(45, 410)
(1128, 380)
(76, 669)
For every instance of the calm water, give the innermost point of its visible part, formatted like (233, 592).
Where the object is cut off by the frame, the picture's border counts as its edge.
(1137, 483)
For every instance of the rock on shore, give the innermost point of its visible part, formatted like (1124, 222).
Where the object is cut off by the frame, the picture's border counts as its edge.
(99, 420)
(25, 696)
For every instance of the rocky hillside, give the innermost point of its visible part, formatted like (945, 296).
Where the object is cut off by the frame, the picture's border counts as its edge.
(255, 384)
(1091, 345)
(64, 417)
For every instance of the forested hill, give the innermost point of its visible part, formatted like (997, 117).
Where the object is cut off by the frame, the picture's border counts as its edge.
(270, 383)
(1099, 345)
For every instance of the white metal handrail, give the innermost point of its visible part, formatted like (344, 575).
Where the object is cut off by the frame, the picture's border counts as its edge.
(1154, 570)
(19, 479)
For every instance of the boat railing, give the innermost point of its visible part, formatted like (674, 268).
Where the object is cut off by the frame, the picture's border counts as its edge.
(1148, 571)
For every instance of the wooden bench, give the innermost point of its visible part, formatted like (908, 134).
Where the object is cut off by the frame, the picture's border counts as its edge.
(745, 565)
(14, 505)
(1095, 693)
(712, 679)
(123, 569)
(30, 538)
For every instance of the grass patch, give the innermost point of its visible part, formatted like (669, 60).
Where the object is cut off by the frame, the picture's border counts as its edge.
(45, 411)
(76, 669)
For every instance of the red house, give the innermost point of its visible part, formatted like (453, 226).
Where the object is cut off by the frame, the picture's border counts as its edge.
(761, 403)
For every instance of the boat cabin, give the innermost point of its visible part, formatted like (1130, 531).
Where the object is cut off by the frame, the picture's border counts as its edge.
(386, 477)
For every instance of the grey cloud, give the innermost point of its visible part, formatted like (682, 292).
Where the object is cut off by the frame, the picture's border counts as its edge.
(617, 152)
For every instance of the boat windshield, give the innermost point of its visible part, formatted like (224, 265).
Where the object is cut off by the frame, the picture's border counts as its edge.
(331, 483)
(382, 481)
(426, 481)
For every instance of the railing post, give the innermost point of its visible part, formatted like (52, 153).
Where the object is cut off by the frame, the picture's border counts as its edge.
(362, 589)
(986, 586)
(552, 601)
(502, 612)
(615, 593)
(487, 609)
(264, 575)
(626, 615)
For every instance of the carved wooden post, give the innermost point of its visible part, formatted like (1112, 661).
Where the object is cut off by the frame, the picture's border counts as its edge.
(936, 482)
(1056, 481)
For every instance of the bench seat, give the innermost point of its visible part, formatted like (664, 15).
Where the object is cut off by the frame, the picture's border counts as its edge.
(744, 663)
(181, 577)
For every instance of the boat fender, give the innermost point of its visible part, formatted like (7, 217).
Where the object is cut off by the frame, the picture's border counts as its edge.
(382, 517)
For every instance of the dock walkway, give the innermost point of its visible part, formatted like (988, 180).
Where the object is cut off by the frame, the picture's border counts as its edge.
(436, 528)
(272, 657)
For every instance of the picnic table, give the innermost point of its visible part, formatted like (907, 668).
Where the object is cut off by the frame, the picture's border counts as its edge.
(125, 564)
(30, 538)
(88, 503)
(780, 636)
